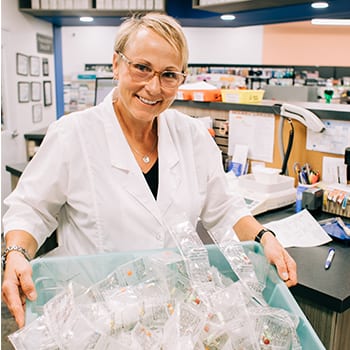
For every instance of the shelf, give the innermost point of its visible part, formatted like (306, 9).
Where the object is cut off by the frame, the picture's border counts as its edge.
(244, 5)
(76, 12)
(54, 15)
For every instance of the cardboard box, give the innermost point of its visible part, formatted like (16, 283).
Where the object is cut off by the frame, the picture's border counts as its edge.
(242, 96)
(200, 95)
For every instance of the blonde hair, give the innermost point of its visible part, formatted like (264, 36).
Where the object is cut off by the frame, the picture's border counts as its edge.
(167, 27)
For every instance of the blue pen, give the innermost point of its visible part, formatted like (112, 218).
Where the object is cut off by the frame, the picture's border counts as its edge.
(330, 256)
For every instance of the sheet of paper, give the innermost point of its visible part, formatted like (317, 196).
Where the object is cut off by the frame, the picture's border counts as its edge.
(334, 170)
(239, 160)
(255, 131)
(299, 230)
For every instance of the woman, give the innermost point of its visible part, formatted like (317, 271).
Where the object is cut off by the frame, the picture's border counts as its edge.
(114, 177)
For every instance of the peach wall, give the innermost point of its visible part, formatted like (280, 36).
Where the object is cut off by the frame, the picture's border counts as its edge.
(301, 43)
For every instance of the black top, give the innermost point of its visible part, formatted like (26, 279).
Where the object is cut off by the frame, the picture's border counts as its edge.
(152, 179)
(16, 169)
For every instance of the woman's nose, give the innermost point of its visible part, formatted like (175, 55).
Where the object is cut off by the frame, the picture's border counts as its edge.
(154, 83)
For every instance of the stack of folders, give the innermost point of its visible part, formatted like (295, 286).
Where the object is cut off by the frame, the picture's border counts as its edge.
(337, 228)
(61, 4)
(130, 5)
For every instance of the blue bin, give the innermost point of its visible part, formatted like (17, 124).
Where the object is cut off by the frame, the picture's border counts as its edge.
(52, 274)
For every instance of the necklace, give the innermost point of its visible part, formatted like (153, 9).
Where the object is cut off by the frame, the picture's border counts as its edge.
(146, 157)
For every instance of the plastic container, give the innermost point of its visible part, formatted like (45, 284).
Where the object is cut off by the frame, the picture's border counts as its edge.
(50, 274)
(266, 175)
(199, 95)
(279, 183)
(242, 96)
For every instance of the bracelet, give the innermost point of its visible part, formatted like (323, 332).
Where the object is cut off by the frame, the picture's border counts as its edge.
(259, 236)
(12, 248)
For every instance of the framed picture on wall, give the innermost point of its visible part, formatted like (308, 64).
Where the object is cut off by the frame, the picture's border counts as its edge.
(45, 66)
(37, 113)
(47, 93)
(35, 88)
(23, 88)
(22, 62)
(34, 64)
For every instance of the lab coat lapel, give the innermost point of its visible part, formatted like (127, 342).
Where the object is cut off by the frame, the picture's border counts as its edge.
(126, 170)
(169, 167)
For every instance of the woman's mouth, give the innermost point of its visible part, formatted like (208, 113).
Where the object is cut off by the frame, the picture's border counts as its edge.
(147, 102)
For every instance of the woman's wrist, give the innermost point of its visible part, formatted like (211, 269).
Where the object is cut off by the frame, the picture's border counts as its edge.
(263, 234)
(12, 249)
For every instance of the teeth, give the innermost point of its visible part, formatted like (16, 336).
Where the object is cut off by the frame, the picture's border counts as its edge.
(147, 101)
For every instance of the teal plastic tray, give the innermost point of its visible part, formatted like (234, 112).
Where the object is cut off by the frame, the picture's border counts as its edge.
(51, 274)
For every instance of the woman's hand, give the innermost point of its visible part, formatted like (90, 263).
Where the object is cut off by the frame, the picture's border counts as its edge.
(248, 227)
(17, 285)
(278, 256)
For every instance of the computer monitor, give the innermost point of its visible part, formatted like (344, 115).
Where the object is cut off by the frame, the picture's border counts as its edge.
(103, 86)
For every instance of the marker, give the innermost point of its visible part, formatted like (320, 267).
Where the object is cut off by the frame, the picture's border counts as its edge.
(330, 256)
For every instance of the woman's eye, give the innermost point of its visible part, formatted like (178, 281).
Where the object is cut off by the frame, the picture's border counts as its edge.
(142, 68)
(170, 75)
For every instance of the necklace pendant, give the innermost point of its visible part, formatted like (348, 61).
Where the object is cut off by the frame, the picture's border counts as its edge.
(146, 159)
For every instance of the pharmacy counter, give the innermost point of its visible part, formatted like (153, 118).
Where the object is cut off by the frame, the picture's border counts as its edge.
(322, 110)
(16, 171)
(323, 295)
(33, 141)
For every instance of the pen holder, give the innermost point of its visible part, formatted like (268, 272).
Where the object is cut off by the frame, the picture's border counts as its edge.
(299, 199)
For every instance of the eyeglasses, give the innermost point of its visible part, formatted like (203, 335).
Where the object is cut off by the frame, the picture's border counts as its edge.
(141, 72)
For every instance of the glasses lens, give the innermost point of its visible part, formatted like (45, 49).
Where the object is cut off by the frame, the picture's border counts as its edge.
(140, 71)
(171, 79)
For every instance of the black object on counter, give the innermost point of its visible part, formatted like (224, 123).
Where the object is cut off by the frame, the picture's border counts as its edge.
(347, 162)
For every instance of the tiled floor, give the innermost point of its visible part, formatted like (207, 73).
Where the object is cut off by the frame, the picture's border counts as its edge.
(8, 326)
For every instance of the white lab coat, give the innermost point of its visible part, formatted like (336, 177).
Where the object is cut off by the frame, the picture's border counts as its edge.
(85, 182)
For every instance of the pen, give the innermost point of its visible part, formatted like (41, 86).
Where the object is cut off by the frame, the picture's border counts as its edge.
(330, 256)
(338, 175)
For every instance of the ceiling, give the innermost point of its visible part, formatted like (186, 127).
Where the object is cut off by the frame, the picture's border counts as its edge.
(286, 13)
(189, 17)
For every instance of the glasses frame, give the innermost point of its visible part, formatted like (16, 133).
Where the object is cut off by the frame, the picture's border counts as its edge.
(154, 72)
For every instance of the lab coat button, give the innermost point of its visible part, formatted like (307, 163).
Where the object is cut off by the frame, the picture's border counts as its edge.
(158, 236)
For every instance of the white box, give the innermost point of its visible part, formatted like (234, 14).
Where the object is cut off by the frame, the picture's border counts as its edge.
(124, 4)
(68, 4)
(45, 5)
(159, 5)
(281, 183)
(100, 4)
(35, 4)
(53, 4)
(149, 5)
(108, 4)
(132, 4)
(140, 4)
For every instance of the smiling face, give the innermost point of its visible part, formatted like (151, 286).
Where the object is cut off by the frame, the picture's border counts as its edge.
(143, 100)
